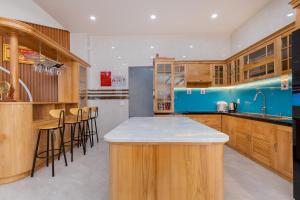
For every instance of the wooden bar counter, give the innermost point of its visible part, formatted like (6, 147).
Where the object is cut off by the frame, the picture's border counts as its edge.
(18, 135)
(165, 158)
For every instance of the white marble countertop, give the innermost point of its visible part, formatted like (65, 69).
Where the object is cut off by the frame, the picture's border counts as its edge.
(164, 130)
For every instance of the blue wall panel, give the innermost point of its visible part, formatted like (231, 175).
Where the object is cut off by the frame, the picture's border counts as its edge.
(279, 102)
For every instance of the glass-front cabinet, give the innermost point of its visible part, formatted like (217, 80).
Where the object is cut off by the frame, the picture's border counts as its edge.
(286, 53)
(219, 74)
(163, 89)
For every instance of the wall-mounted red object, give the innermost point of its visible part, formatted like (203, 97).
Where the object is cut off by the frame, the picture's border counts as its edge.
(105, 78)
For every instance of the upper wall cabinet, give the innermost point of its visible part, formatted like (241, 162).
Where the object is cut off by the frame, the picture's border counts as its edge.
(259, 63)
(198, 73)
(219, 73)
(286, 53)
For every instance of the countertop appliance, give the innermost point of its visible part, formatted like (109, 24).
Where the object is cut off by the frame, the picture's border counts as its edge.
(296, 110)
(232, 107)
(222, 106)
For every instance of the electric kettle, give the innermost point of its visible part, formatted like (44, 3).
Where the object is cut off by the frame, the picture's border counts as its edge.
(232, 107)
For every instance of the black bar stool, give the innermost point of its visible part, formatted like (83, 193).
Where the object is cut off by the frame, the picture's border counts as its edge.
(86, 117)
(51, 130)
(93, 119)
(75, 121)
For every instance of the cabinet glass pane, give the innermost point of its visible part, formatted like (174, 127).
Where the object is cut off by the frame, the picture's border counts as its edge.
(270, 49)
(284, 54)
(284, 42)
(290, 63)
(270, 68)
(245, 74)
(284, 65)
(161, 68)
(168, 68)
(257, 71)
(257, 55)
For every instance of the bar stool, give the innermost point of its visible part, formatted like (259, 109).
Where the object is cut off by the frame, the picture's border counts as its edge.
(93, 120)
(73, 121)
(50, 129)
(86, 117)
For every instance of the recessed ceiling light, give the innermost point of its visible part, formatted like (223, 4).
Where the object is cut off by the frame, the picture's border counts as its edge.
(152, 17)
(290, 15)
(151, 47)
(183, 56)
(214, 16)
(191, 46)
(93, 18)
(151, 57)
(119, 57)
(113, 47)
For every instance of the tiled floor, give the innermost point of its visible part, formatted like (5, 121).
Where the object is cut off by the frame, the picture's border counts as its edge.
(87, 178)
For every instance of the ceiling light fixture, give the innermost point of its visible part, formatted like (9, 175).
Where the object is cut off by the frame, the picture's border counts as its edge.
(183, 56)
(113, 47)
(119, 57)
(152, 17)
(93, 18)
(151, 47)
(191, 46)
(290, 15)
(214, 16)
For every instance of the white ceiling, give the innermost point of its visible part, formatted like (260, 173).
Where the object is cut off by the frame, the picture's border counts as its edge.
(132, 17)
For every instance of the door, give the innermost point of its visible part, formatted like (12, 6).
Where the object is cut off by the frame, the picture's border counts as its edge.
(140, 91)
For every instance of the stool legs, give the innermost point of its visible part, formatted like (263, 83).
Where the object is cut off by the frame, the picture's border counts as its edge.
(52, 153)
(35, 153)
(47, 153)
(96, 130)
(61, 131)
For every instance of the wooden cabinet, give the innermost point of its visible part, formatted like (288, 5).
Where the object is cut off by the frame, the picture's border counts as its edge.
(218, 74)
(283, 161)
(163, 85)
(243, 136)
(266, 143)
(262, 142)
(286, 53)
(211, 120)
(228, 126)
(197, 72)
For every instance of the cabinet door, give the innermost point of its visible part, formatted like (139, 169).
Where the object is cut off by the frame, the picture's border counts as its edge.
(219, 73)
(283, 151)
(228, 124)
(198, 73)
(243, 136)
(262, 142)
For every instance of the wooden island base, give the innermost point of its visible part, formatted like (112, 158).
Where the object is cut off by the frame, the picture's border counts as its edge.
(166, 171)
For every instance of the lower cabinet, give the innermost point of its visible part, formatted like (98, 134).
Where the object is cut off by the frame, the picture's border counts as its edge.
(211, 120)
(283, 150)
(266, 143)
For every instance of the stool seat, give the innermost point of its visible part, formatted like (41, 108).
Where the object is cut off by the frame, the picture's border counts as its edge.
(71, 120)
(49, 126)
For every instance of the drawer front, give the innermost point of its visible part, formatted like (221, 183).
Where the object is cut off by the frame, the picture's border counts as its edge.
(213, 121)
(263, 131)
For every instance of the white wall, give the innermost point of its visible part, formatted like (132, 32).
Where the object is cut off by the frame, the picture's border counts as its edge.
(136, 51)
(26, 10)
(267, 21)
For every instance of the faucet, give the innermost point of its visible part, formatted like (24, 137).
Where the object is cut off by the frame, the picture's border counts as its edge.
(263, 106)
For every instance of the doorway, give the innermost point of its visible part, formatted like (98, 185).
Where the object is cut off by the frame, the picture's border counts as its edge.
(140, 91)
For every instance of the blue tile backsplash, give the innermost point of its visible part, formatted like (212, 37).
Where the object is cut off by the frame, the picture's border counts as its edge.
(278, 101)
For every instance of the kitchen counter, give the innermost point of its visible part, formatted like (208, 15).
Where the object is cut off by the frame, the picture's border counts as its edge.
(285, 121)
(170, 158)
(164, 130)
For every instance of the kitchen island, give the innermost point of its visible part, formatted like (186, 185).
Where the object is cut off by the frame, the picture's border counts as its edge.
(165, 158)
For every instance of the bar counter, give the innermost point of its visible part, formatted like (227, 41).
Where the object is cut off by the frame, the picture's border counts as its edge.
(167, 158)
(18, 135)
